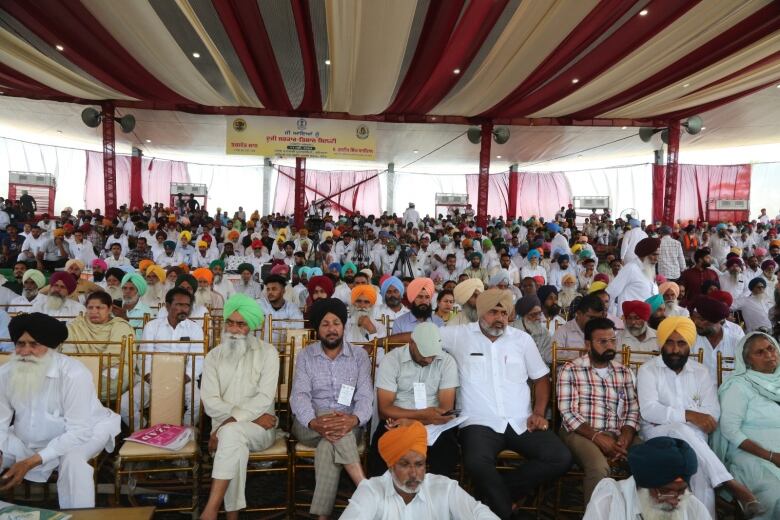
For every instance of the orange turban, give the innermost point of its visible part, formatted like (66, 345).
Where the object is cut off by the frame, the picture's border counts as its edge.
(233, 234)
(143, 264)
(397, 442)
(366, 291)
(417, 285)
(203, 273)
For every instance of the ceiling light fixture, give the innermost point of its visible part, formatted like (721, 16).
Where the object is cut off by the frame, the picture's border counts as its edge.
(148, 140)
(643, 12)
(704, 128)
(498, 157)
(456, 71)
(415, 151)
(59, 47)
(575, 80)
(327, 62)
(623, 127)
(686, 85)
(196, 55)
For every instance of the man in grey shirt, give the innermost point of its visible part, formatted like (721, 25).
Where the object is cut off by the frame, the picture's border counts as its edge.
(418, 381)
(331, 399)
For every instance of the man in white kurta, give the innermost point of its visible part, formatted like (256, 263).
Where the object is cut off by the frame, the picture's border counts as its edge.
(238, 390)
(58, 304)
(678, 399)
(630, 240)
(636, 280)
(58, 422)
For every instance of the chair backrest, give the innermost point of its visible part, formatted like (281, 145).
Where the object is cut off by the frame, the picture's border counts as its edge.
(108, 363)
(557, 362)
(5, 357)
(636, 358)
(166, 399)
(722, 362)
(278, 329)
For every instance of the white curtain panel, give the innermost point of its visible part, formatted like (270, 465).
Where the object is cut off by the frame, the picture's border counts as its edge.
(629, 187)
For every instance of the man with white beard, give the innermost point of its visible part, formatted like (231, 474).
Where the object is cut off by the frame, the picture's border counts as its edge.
(671, 292)
(755, 308)
(732, 280)
(466, 293)
(661, 471)
(246, 285)
(636, 280)
(528, 312)
(221, 285)
(155, 288)
(361, 326)
(238, 390)
(61, 285)
(32, 282)
(205, 295)
(637, 335)
(58, 422)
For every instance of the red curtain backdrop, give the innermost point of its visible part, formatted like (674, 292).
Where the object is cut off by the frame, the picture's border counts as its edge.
(540, 194)
(699, 186)
(350, 190)
(155, 182)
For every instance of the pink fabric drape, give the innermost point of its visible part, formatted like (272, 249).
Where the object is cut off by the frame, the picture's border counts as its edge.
(155, 182)
(350, 190)
(539, 193)
(700, 186)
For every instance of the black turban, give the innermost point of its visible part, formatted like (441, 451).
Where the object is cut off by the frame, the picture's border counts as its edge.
(42, 327)
(116, 273)
(659, 461)
(545, 291)
(711, 309)
(191, 280)
(526, 303)
(324, 306)
(647, 246)
(246, 266)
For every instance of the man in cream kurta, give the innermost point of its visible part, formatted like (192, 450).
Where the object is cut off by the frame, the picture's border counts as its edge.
(238, 390)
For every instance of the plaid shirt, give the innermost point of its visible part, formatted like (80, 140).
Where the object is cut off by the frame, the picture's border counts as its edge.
(671, 261)
(604, 404)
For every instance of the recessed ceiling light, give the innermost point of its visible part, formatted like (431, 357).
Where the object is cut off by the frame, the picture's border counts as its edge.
(643, 12)
(59, 131)
(686, 85)
(704, 128)
(327, 62)
(415, 151)
(623, 127)
(59, 47)
(575, 80)
(148, 140)
(433, 118)
(196, 55)
(778, 85)
(498, 157)
(456, 71)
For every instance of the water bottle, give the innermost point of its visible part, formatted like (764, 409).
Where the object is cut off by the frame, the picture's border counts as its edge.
(160, 499)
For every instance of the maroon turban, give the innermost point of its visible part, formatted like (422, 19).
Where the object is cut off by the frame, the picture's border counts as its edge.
(601, 277)
(323, 282)
(647, 246)
(722, 296)
(68, 279)
(733, 261)
(637, 307)
(710, 309)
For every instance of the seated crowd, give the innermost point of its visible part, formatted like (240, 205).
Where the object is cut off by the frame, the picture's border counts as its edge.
(648, 362)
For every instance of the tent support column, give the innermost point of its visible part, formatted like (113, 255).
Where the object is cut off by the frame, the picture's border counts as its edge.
(672, 168)
(390, 201)
(267, 172)
(109, 161)
(136, 189)
(300, 190)
(484, 172)
(514, 179)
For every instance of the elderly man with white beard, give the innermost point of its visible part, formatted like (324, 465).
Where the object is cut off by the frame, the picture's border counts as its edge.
(204, 294)
(755, 308)
(32, 282)
(636, 280)
(155, 287)
(221, 284)
(528, 312)
(62, 284)
(637, 335)
(671, 293)
(361, 325)
(58, 422)
(238, 390)
(732, 281)
(466, 293)
(658, 489)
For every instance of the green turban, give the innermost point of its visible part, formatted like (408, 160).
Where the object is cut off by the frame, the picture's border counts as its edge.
(191, 280)
(247, 307)
(36, 275)
(137, 280)
(487, 243)
(348, 265)
(246, 266)
(218, 262)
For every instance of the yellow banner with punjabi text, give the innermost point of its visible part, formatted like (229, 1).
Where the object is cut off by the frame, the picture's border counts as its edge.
(301, 137)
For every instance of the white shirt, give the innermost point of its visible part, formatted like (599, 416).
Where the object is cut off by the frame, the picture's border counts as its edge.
(159, 331)
(117, 262)
(70, 308)
(737, 288)
(253, 289)
(529, 271)
(411, 215)
(630, 284)
(384, 310)
(122, 240)
(32, 246)
(727, 347)
(494, 389)
(630, 240)
(439, 498)
(754, 311)
(615, 500)
(63, 415)
(664, 395)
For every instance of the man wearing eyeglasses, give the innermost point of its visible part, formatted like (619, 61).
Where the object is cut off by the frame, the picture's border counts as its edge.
(598, 405)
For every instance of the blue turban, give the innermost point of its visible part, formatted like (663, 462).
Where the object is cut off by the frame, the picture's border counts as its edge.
(634, 223)
(562, 257)
(533, 253)
(304, 271)
(756, 281)
(655, 302)
(661, 460)
(334, 265)
(170, 244)
(127, 268)
(552, 226)
(394, 281)
(315, 271)
(345, 267)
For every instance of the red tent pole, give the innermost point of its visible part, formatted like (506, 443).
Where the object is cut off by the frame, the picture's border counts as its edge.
(136, 190)
(514, 179)
(672, 168)
(484, 171)
(109, 161)
(300, 190)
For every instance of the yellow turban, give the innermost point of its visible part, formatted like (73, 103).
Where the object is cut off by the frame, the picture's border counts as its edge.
(680, 324)
(397, 442)
(597, 286)
(202, 243)
(365, 290)
(576, 248)
(465, 290)
(158, 271)
(59, 232)
(186, 234)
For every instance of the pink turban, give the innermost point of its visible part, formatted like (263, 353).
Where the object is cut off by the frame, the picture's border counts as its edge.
(97, 262)
(417, 285)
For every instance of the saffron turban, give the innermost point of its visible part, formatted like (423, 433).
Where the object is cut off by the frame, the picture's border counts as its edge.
(669, 286)
(218, 262)
(349, 266)
(679, 324)
(710, 309)
(43, 328)
(203, 273)
(465, 289)
(641, 309)
(246, 266)
(97, 262)
(366, 291)
(662, 460)
(323, 306)
(36, 275)
(323, 282)
(247, 307)
(156, 270)
(647, 246)
(233, 234)
(397, 442)
(144, 264)
(66, 278)
(655, 302)
(597, 286)
(185, 235)
(58, 233)
(137, 280)
(391, 281)
(417, 285)
(493, 298)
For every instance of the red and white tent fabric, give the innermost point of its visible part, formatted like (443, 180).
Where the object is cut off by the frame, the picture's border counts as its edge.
(399, 60)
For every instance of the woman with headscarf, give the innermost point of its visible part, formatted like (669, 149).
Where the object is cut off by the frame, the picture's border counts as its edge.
(748, 436)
